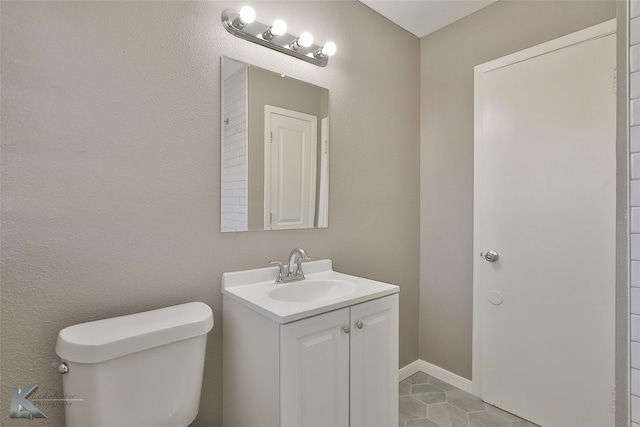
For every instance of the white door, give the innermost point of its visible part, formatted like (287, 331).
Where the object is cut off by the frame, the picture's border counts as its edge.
(374, 363)
(290, 168)
(314, 367)
(545, 203)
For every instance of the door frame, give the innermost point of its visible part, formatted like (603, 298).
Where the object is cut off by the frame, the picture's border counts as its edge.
(313, 120)
(323, 186)
(597, 31)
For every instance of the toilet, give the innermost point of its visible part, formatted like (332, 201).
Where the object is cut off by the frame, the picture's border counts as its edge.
(140, 370)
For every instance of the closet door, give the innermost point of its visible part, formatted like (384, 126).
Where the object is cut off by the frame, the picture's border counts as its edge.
(544, 233)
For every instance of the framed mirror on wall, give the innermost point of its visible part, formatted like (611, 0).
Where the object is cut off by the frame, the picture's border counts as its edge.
(274, 150)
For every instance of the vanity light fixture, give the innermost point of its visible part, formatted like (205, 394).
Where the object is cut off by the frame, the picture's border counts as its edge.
(243, 25)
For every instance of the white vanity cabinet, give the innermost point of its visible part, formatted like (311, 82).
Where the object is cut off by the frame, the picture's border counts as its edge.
(336, 369)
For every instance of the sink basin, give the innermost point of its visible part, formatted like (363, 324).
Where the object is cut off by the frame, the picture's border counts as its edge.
(322, 290)
(314, 290)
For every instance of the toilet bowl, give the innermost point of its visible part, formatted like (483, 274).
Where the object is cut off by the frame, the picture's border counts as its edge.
(140, 370)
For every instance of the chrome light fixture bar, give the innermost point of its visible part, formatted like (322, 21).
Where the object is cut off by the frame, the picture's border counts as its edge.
(243, 25)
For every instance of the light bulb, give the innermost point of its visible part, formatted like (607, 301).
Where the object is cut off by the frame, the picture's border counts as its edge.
(305, 39)
(247, 14)
(325, 51)
(329, 48)
(279, 27)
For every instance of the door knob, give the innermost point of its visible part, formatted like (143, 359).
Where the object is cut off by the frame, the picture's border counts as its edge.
(346, 329)
(359, 324)
(491, 256)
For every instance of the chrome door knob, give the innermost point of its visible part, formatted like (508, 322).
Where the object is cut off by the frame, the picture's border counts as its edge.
(491, 256)
(346, 329)
(359, 324)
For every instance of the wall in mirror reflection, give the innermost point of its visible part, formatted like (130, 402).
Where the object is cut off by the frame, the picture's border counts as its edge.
(274, 150)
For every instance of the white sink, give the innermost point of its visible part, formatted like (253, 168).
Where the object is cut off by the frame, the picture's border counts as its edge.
(321, 291)
(314, 290)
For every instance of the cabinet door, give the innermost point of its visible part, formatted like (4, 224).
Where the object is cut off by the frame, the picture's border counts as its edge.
(374, 363)
(314, 371)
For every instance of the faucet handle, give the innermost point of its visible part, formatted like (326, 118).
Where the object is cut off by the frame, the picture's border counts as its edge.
(280, 265)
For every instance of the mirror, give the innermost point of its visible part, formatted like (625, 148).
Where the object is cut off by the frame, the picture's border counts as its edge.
(274, 150)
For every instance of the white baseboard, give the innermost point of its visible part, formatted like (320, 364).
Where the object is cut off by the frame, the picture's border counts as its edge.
(436, 372)
(410, 369)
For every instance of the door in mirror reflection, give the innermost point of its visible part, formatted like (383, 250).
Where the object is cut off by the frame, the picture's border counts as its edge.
(290, 168)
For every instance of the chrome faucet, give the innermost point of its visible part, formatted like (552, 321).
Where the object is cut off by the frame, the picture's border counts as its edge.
(292, 271)
(296, 257)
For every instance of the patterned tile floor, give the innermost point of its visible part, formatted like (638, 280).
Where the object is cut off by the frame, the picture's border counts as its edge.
(426, 401)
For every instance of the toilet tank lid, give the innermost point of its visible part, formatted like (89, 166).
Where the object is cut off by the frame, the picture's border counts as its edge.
(101, 340)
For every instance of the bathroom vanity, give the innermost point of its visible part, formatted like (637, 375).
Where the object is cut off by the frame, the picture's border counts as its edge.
(314, 353)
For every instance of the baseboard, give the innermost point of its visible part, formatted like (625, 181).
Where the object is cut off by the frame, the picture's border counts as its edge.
(410, 369)
(436, 372)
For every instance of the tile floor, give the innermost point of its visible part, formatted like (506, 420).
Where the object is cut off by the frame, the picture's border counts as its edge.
(426, 401)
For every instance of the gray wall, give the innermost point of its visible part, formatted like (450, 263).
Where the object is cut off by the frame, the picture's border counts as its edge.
(447, 58)
(111, 168)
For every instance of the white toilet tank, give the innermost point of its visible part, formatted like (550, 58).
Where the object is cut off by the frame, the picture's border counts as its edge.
(140, 370)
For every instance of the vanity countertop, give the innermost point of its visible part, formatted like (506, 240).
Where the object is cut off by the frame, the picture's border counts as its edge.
(257, 290)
